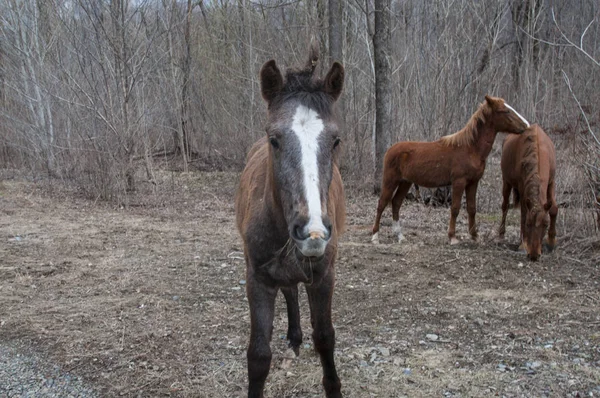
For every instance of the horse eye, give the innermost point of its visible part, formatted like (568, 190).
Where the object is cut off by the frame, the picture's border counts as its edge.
(274, 142)
(336, 142)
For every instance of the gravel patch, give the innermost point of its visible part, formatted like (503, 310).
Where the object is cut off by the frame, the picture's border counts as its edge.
(26, 375)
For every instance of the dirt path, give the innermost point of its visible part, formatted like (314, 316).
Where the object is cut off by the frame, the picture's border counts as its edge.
(24, 374)
(150, 301)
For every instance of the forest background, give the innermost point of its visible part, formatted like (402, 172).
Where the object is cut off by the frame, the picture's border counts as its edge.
(101, 94)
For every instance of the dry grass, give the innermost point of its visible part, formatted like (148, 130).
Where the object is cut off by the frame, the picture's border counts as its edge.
(147, 301)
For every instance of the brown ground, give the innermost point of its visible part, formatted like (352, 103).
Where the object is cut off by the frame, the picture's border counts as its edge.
(148, 301)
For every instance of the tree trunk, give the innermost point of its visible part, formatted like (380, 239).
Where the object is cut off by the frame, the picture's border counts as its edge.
(335, 45)
(185, 97)
(335, 30)
(383, 87)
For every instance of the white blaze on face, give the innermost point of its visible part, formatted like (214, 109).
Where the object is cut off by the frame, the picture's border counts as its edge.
(307, 126)
(518, 114)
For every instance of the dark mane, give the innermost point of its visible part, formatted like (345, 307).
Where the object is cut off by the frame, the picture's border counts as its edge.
(301, 85)
(530, 169)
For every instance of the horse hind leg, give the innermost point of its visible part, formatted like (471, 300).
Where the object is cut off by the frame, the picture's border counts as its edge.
(396, 204)
(506, 188)
(387, 190)
(294, 334)
(471, 194)
(458, 188)
(553, 213)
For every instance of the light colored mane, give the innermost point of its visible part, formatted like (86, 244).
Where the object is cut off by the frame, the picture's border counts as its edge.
(530, 169)
(468, 134)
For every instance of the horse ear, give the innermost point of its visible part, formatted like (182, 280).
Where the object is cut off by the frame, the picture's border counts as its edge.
(491, 101)
(334, 81)
(271, 81)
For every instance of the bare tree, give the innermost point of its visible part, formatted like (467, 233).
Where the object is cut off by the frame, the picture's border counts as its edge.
(29, 42)
(383, 72)
(335, 30)
(94, 91)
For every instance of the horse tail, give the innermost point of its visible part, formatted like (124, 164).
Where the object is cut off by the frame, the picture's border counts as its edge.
(516, 197)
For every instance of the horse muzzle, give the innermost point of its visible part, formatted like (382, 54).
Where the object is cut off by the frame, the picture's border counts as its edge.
(313, 246)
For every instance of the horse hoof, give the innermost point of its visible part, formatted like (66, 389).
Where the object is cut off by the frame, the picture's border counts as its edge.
(454, 241)
(288, 358)
(548, 248)
(401, 238)
(549, 245)
(295, 349)
(375, 238)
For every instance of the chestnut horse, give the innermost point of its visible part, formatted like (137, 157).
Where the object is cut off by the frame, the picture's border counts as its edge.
(290, 212)
(528, 168)
(457, 159)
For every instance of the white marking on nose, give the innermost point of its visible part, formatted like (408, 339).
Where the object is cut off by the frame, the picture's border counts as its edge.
(518, 114)
(307, 126)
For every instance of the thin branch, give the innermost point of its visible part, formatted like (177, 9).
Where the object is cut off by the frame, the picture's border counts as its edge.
(580, 46)
(568, 82)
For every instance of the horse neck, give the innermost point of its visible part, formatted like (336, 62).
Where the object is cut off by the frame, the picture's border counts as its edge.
(530, 166)
(533, 191)
(485, 140)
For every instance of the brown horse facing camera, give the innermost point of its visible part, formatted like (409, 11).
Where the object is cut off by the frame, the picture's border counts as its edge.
(290, 211)
(457, 159)
(528, 168)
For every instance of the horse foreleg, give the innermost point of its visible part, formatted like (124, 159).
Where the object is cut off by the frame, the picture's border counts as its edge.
(523, 234)
(458, 187)
(323, 335)
(261, 299)
(387, 190)
(471, 193)
(294, 333)
(506, 188)
(396, 204)
(553, 213)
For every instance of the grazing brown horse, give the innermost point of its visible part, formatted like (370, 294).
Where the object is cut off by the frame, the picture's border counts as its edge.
(528, 168)
(290, 212)
(457, 159)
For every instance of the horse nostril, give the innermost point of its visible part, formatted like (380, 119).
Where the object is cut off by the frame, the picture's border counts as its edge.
(328, 227)
(328, 231)
(298, 233)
